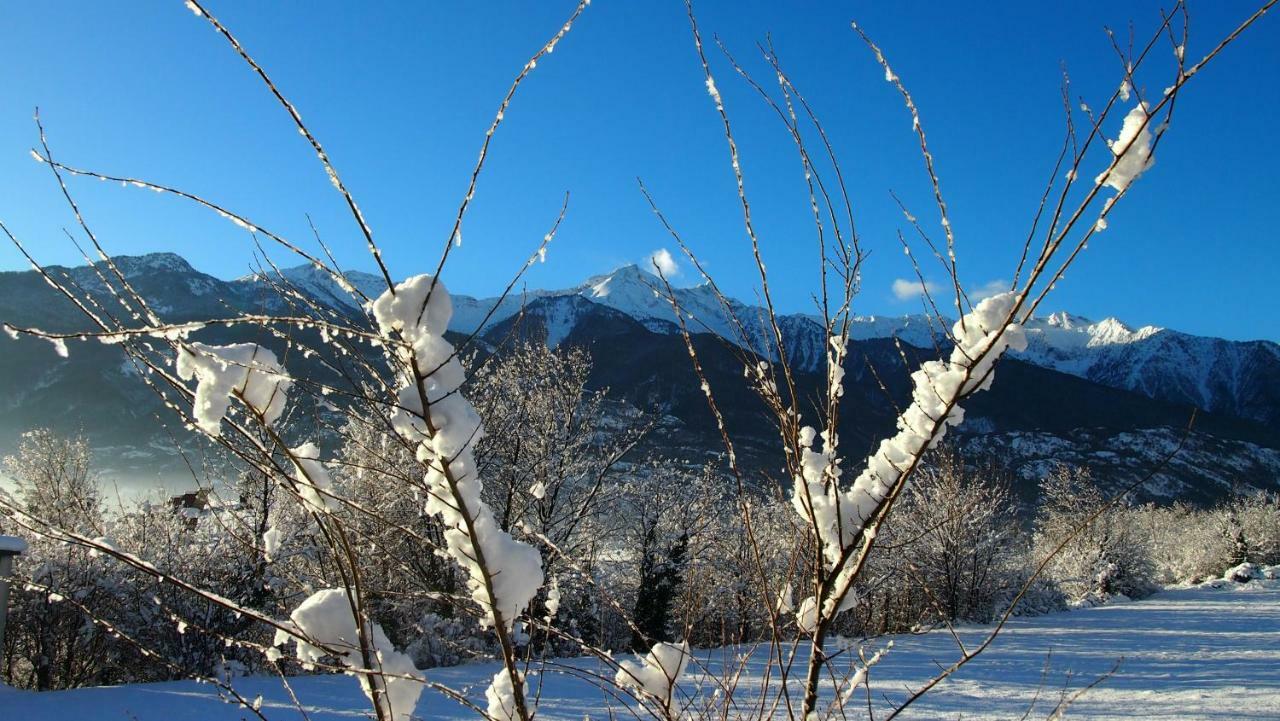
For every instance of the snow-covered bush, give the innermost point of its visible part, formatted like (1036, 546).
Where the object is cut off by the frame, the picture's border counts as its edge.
(963, 539)
(1186, 543)
(1105, 553)
(552, 443)
(1257, 518)
(407, 581)
(665, 514)
(725, 603)
(1190, 544)
(211, 538)
(49, 644)
(555, 459)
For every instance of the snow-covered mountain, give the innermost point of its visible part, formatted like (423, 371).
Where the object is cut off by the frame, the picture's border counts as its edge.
(1096, 393)
(1235, 378)
(1231, 377)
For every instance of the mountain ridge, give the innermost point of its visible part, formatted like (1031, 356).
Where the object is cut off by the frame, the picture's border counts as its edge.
(1239, 378)
(1130, 391)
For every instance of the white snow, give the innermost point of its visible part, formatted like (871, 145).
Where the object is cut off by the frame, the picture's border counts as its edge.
(326, 617)
(982, 338)
(247, 369)
(714, 92)
(271, 541)
(105, 542)
(840, 512)
(1192, 654)
(445, 432)
(312, 477)
(501, 699)
(657, 674)
(1132, 149)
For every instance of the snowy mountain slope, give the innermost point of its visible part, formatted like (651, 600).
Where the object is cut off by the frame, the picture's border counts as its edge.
(643, 363)
(1238, 378)
(1124, 457)
(317, 284)
(1122, 433)
(1229, 377)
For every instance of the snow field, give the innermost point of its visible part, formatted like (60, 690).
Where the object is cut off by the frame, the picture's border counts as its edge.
(1188, 653)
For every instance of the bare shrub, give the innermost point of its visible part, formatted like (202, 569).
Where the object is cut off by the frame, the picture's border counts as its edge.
(1105, 558)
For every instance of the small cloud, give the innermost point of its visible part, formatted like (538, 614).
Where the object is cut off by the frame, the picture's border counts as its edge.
(988, 289)
(665, 262)
(904, 289)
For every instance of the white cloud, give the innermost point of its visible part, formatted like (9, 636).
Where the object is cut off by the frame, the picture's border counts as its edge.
(988, 289)
(904, 289)
(665, 262)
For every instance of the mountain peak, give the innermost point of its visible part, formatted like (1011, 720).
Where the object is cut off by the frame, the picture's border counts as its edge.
(151, 263)
(1067, 321)
(1113, 325)
(318, 283)
(627, 280)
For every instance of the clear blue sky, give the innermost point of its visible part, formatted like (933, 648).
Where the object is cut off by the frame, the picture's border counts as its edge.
(400, 95)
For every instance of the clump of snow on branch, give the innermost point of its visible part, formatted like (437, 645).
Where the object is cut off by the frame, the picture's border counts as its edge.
(444, 427)
(714, 92)
(244, 369)
(501, 698)
(982, 336)
(859, 677)
(313, 478)
(1132, 150)
(272, 539)
(326, 618)
(657, 673)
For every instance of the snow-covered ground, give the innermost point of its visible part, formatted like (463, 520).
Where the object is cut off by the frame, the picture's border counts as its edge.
(1196, 653)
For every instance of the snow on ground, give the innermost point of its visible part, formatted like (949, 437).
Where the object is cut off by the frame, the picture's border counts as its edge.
(1194, 653)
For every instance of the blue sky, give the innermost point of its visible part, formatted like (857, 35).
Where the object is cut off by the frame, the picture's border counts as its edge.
(400, 95)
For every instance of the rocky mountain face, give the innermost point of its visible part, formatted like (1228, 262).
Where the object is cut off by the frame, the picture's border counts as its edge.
(1093, 393)
(1233, 378)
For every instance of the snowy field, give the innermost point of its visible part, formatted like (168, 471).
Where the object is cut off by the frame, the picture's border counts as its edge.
(1196, 653)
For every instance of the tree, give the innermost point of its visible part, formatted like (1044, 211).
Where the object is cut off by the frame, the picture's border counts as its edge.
(48, 644)
(954, 549)
(552, 445)
(1103, 557)
(665, 513)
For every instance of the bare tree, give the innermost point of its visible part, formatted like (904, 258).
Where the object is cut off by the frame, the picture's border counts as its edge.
(1108, 557)
(956, 545)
